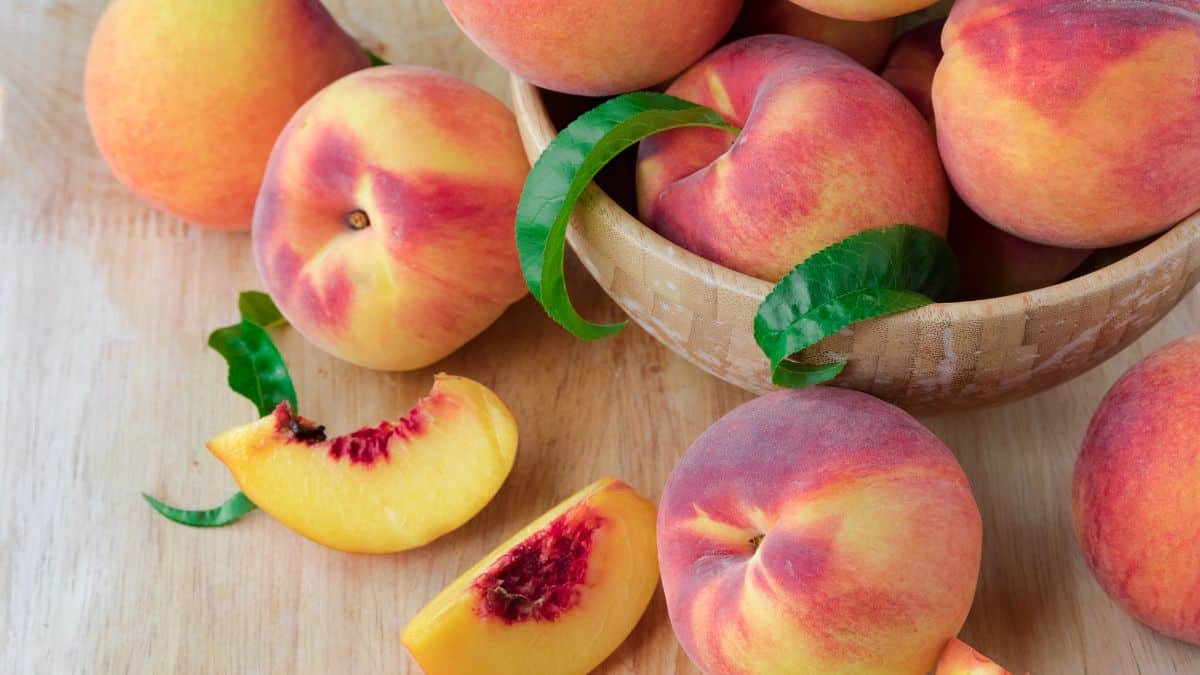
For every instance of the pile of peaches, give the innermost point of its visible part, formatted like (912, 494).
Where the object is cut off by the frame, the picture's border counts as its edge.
(813, 531)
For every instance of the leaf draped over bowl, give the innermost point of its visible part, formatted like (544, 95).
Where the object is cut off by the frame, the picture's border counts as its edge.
(258, 372)
(871, 274)
(562, 173)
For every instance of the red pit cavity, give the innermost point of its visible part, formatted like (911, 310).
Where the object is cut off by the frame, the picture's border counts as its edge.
(540, 578)
(364, 446)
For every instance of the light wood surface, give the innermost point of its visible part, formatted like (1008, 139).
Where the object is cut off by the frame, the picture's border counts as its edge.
(107, 390)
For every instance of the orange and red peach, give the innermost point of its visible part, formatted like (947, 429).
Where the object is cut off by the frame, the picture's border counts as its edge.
(960, 659)
(864, 41)
(384, 227)
(818, 531)
(595, 48)
(1069, 122)
(185, 99)
(992, 262)
(380, 489)
(555, 599)
(1136, 503)
(864, 10)
(826, 149)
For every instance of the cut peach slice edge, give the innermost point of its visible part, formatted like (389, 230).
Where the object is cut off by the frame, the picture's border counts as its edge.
(380, 489)
(959, 658)
(555, 599)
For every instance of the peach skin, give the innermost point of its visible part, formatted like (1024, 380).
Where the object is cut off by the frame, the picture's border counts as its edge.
(1069, 122)
(595, 48)
(864, 41)
(185, 99)
(827, 149)
(380, 489)
(1136, 505)
(818, 531)
(555, 599)
(384, 230)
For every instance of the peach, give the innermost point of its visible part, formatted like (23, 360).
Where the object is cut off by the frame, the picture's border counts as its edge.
(593, 48)
(864, 41)
(383, 489)
(185, 99)
(1070, 122)
(1136, 506)
(555, 599)
(992, 262)
(864, 10)
(960, 659)
(818, 531)
(827, 149)
(384, 230)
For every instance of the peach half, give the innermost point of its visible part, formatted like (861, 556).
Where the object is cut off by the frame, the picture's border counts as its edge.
(384, 489)
(818, 531)
(555, 599)
(960, 659)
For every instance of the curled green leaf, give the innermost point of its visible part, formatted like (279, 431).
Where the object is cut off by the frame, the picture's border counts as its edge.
(871, 274)
(562, 173)
(225, 514)
(256, 368)
(257, 307)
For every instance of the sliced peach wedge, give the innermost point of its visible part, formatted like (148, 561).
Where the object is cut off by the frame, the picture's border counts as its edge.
(555, 599)
(380, 489)
(960, 659)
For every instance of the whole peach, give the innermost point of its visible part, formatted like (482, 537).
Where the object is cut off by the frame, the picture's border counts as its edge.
(1136, 496)
(827, 149)
(595, 48)
(1071, 122)
(384, 227)
(864, 41)
(992, 262)
(818, 531)
(186, 99)
(864, 10)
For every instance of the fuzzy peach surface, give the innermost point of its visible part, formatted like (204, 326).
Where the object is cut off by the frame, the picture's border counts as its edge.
(186, 99)
(595, 48)
(429, 169)
(1073, 123)
(818, 531)
(1137, 491)
(827, 149)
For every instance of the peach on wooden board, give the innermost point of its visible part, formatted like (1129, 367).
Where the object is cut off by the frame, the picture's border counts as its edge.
(595, 48)
(960, 659)
(1070, 122)
(186, 99)
(992, 262)
(384, 230)
(864, 10)
(555, 599)
(381, 489)
(1137, 491)
(864, 41)
(827, 149)
(818, 531)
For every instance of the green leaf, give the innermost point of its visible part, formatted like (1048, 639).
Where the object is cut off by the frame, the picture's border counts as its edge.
(225, 514)
(375, 59)
(256, 368)
(258, 308)
(871, 274)
(562, 173)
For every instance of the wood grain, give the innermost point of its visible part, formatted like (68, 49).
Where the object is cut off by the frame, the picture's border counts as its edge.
(107, 390)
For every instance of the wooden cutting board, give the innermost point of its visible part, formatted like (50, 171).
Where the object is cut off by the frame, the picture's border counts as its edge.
(107, 390)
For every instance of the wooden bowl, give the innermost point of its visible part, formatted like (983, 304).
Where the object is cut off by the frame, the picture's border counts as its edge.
(942, 357)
